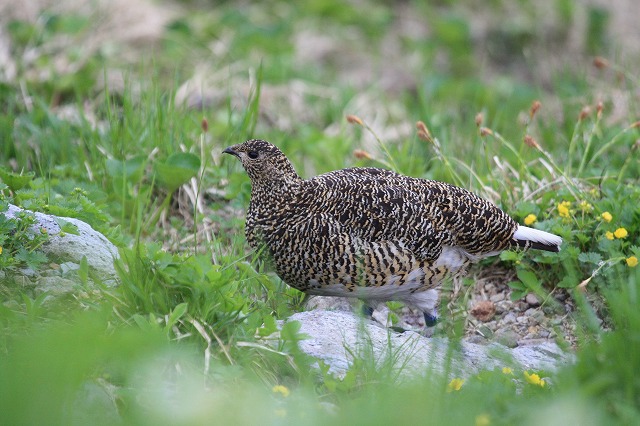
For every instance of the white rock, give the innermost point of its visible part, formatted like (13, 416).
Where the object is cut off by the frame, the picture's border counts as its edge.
(336, 337)
(100, 252)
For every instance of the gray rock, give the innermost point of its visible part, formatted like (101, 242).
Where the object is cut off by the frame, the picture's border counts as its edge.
(509, 318)
(507, 337)
(532, 299)
(498, 297)
(100, 252)
(337, 337)
(55, 285)
(67, 267)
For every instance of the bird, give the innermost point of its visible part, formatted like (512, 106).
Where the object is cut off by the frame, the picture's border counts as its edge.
(371, 233)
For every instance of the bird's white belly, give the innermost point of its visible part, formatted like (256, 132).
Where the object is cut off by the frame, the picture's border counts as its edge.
(389, 291)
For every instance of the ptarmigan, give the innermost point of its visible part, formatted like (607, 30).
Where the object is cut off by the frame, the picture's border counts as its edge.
(371, 233)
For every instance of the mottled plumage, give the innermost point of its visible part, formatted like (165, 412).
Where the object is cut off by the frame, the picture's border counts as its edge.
(371, 233)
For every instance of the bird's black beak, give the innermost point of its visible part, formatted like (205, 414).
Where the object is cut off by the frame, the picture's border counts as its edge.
(230, 151)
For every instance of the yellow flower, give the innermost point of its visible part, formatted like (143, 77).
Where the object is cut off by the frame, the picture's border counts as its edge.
(530, 219)
(609, 235)
(534, 379)
(282, 390)
(507, 370)
(563, 209)
(620, 233)
(0, 250)
(483, 420)
(455, 385)
(606, 216)
(632, 261)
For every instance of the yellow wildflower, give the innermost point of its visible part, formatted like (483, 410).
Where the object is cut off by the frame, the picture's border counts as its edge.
(534, 379)
(609, 235)
(455, 385)
(0, 250)
(507, 370)
(563, 209)
(282, 390)
(483, 420)
(632, 261)
(530, 219)
(586, 207)
(607, 217)
(620, 233)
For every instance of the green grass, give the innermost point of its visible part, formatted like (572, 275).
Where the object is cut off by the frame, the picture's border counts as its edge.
(189, 336)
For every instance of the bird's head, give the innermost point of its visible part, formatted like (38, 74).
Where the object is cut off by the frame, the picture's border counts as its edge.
(263, 161)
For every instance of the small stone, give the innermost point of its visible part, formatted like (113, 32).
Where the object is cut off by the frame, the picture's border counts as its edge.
(522, 320)
(544, 333)
(484, 310)
(55, 285)
(561, 296)
(532, 300)
(504, 306)
(485, 332)
(536, 316)
(67, 267)
(556, 321)
(27, 272)
(477, 339)
(497, 297)
(510, 318)
(507, 337)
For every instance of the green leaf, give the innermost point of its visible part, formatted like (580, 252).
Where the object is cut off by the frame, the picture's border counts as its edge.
(269, 326)
(568, 282)
(131, 169)
(15, 181)
(67, 227)
(528, 278)
(83, 271)
(177, 313)
(32, 259)
(177, 170)
(509, 255)
(590, 257)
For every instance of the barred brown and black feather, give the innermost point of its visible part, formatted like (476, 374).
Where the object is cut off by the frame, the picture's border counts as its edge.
(371, 233)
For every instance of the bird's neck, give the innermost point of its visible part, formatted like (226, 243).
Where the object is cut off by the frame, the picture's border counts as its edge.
(277, 190)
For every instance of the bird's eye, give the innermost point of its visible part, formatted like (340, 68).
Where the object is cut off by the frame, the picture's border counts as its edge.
(253, 154)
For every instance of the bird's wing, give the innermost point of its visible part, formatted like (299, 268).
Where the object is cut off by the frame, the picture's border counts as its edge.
(424, 215)
(375, 207)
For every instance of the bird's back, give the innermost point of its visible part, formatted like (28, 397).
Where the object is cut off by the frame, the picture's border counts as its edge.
(426, 215)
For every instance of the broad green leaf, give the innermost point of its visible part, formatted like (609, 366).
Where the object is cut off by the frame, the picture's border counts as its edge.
(176, 314)
(177, 170)
(15, 181)
(528, 278)
(130, 169)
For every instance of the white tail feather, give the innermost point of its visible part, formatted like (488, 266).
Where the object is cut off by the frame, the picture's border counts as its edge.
(535, 235)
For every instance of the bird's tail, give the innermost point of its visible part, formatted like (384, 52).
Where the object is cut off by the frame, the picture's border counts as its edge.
(534, 238)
